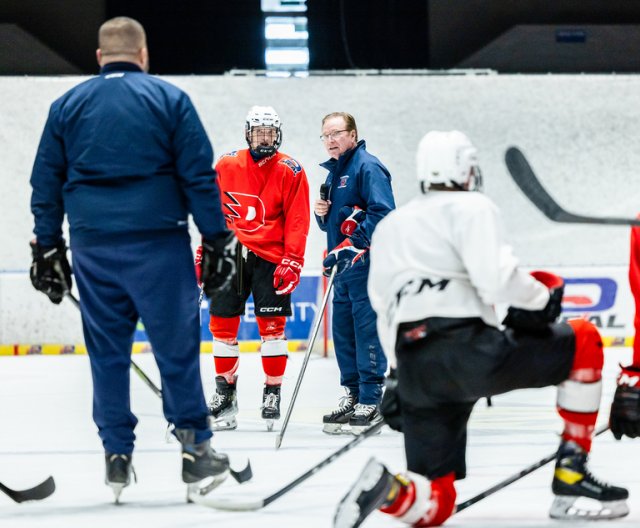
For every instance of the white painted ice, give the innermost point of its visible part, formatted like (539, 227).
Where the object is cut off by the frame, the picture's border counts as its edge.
(45, 416)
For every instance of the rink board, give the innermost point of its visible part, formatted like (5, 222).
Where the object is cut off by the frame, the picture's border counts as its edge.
(599, 294)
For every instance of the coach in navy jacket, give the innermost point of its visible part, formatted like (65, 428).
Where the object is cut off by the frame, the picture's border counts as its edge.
(358, 196)
(125, 155)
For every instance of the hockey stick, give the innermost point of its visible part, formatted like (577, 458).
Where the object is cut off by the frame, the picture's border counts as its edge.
(525, 178)
(39, 492)
(307, 355)
(513, 478)
(134, 366)
(221, 503)
(240, 476)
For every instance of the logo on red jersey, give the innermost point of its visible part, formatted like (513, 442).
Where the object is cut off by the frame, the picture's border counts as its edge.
(245, 211)
(292, 164)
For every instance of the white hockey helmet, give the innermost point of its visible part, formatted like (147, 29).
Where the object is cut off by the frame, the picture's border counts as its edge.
(449, 159)
(263, 116)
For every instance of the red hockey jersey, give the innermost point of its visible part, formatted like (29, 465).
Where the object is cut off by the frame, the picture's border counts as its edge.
(266, 203)
(634, 282)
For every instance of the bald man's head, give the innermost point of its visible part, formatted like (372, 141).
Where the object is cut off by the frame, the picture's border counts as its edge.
(122, 39)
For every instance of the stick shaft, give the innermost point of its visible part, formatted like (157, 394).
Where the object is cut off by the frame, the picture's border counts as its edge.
(307, 355)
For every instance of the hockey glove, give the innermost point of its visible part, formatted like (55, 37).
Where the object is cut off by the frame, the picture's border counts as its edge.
(198, 265)
(344, 255)
(50, 272)
(624, 419)
(536, 320)
(349, 219)
(218, 267)
(286, 276)
(390, 404)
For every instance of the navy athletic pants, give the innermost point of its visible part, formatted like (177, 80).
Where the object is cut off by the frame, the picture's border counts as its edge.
(361, 361)
(148, 276)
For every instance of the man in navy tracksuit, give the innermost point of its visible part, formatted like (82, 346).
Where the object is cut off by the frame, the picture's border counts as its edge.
(126, 157)
(358, 196)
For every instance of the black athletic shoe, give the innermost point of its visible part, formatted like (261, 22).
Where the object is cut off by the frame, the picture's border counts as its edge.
(271, 405)
(223, 406)
(573, 480)
(118, 472)
(375, 488)
(337, 422)
(200, 461)
(363, 417)
(271, 402)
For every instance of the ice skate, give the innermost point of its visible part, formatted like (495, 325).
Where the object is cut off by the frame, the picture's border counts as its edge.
(375, 487)
(223, 406)
(202, 468)
(578, 494)
(118, 473)
(337, 422)
(271, 405)
(363, 417)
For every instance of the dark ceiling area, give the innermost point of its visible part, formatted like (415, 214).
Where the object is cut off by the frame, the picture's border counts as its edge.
(212, 37)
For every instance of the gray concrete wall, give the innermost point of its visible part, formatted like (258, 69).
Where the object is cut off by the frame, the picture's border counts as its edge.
(579, 132)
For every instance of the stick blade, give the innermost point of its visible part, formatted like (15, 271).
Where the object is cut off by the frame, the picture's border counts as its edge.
(244, 475)
(39, 492)
(225, 504)
(526, 179)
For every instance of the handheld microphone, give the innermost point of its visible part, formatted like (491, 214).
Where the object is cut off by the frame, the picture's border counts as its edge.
(324, 194)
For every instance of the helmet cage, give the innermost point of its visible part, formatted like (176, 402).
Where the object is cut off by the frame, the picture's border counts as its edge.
(263, 116)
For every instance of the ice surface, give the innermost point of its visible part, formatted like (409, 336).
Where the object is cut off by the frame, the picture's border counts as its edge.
(45, 412)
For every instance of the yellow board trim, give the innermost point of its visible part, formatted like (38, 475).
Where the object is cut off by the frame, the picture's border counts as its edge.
(206, 347)
(55, 349)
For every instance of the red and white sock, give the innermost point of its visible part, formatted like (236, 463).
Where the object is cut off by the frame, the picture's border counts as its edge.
(421, 503)
(579, 395)
(273, 349)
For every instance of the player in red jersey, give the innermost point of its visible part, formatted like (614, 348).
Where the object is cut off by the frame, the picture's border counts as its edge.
(625, 409)
(265, 199)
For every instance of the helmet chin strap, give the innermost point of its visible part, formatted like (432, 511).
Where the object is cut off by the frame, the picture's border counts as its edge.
(262, 151)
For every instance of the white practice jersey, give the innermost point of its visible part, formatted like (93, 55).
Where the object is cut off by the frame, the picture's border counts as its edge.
(443, 255)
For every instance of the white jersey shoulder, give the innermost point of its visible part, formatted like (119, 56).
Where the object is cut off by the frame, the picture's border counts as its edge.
(443, 254)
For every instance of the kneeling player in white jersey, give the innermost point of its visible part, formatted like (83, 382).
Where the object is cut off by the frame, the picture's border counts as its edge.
(438, 265)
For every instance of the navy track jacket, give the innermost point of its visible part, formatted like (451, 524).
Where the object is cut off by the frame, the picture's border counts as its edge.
(356, 178)
(123, 154)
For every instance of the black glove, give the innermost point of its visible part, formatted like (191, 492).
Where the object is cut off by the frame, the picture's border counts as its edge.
(218, 263)
(625, 409)
(390, 404)
(536, 320)
(50, 272)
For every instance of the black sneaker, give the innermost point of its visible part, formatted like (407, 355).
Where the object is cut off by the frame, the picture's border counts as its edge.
(200, 461)
(337, 422)
(271, 404)
(363, 417)
(573, 480)
(118, 472)
(223, 406)
(375, 488)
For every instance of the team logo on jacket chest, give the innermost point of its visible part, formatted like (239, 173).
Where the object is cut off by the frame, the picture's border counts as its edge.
(245, 211)
(343, 181)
